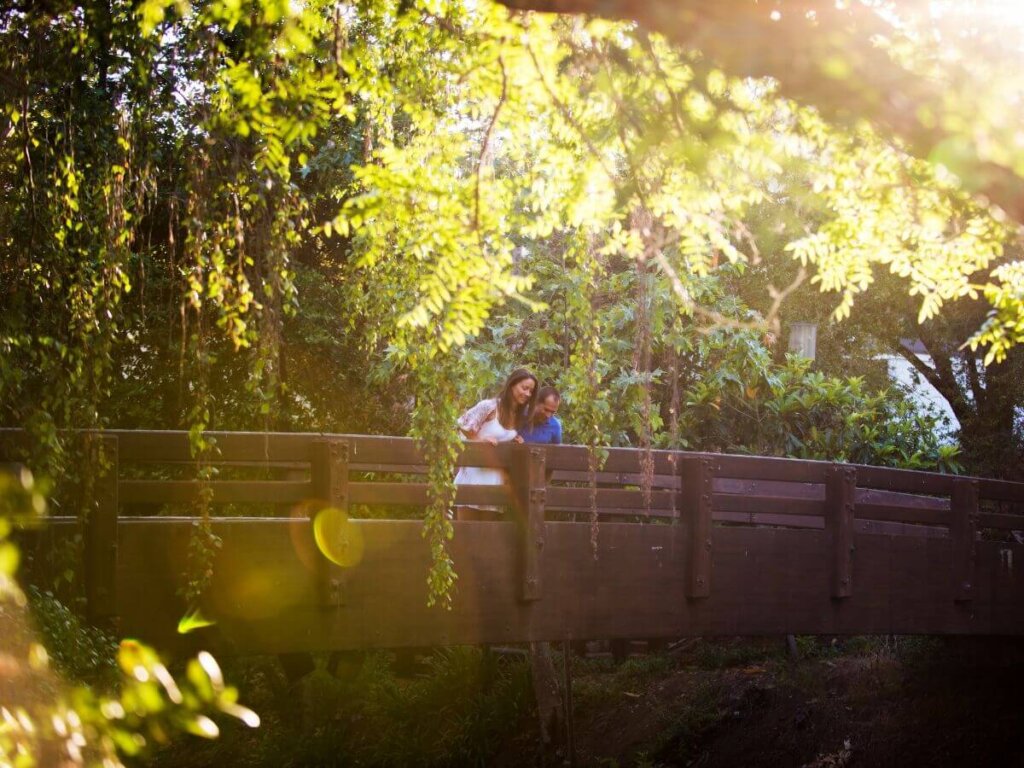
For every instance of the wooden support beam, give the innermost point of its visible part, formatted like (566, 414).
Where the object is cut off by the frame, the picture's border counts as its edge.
(329, 480)
(529, 492)
(963, 530)
(840, 500)
(100, 540)
(697, 480)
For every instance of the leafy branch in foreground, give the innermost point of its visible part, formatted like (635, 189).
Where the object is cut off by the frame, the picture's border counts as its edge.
(46, 722)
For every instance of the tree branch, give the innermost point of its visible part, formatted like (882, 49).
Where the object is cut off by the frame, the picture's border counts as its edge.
(820, 55)
(486, 144)
(949, 390)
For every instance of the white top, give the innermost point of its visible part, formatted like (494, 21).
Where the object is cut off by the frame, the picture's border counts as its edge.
(492, 430)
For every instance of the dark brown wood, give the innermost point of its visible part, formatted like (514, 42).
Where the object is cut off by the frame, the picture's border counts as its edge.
(613, 478)
(776, 521)
(608, 498)
(329, 473)
(576, 458)
(777, 567)
(381, 453)
(779, 488)
(101, 531)
(908, 481)
(728, 502)
(1000, 490)
(903, 514)
(768, 468)
(840, 492)
(963, 531)
(527, 478)
(767, 581)
(697, 480)
(1001, 522)
(329, 480)
(415, 494)
(395, 453)
(224, 491)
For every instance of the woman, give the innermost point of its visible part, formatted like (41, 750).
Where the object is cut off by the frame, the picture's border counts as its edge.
(494, 421)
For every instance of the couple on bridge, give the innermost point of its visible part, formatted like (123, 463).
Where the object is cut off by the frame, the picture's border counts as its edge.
(523, 413)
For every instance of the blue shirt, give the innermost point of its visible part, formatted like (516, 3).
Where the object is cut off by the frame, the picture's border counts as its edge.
(548, 432)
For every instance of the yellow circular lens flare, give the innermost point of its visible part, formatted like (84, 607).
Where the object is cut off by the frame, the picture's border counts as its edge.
(337, 537)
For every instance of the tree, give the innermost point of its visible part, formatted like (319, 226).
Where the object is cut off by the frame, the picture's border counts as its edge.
(406, 153)
(938, 78)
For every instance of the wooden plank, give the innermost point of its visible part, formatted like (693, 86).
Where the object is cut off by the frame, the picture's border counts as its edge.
(778, 521)
(329, 480)
(401, 469)
(964, 532)
(728, 502)
(818, 523)
(101, 531)
(697, 481)
(840, 492)
(415, 494)
(527, 478)
(608, 498)
(779, 488)
(908, 481)
(900, 529)
(224, 491)
(610, 501)
(903, 514)
(613, 478)
(575, 458)
(329, 472)
(904, 500)
(769, 468)
(1001, 522)
(1000, 490)
(263, 447)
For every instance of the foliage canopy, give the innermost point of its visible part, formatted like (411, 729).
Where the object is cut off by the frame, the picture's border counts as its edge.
(172, 172)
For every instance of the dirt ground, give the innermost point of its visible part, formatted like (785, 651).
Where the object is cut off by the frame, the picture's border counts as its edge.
(861, 702)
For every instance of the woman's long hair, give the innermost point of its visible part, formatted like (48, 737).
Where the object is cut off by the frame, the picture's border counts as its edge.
(510, 415)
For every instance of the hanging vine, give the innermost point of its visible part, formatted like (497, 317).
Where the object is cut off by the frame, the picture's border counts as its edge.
(583, 379)
(433, 426)
(640, 221)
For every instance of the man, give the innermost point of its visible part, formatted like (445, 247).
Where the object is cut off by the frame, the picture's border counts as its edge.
(544, 427)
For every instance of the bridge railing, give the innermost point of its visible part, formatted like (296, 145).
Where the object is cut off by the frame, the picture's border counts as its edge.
(696, 509)
(384, 472)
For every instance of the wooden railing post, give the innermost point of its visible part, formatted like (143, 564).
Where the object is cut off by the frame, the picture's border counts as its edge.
(696, 477)
(963, 532)
(840, 498)
(100, 540)
(529, 491)
(329, 478)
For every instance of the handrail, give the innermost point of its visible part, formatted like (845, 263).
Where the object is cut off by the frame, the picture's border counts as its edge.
(268, 448)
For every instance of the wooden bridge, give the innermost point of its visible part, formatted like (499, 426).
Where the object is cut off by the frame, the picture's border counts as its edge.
(721, 545)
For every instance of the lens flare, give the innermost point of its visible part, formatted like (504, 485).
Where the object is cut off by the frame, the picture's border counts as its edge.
(337, 537)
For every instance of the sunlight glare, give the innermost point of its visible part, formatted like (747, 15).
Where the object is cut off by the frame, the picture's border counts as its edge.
(994, 13)
(337, 538)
